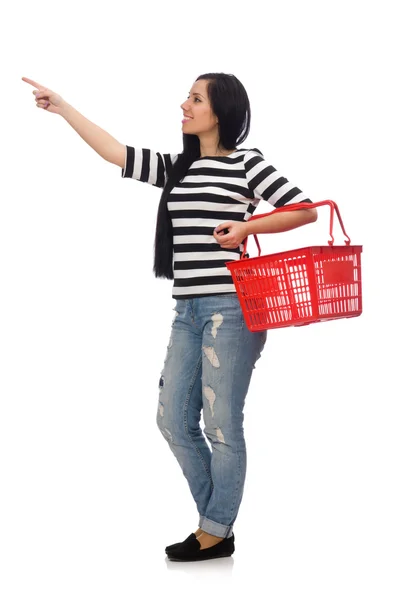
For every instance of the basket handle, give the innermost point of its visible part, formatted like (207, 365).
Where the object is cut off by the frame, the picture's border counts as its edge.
(333, 206)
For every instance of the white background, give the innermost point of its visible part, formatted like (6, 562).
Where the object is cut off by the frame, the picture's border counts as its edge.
(90, 492)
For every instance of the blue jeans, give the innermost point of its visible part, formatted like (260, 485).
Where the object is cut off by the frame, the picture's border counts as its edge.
(208, 366)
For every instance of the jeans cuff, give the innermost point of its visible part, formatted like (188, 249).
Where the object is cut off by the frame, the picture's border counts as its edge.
(217, 529)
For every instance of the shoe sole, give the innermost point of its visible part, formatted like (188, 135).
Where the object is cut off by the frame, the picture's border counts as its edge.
(225, 555)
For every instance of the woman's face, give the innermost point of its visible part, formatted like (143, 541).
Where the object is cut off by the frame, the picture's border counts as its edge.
(198, 107)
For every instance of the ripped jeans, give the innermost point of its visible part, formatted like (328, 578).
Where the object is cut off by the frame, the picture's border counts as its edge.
(208, 366)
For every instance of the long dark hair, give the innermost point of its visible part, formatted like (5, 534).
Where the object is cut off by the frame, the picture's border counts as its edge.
(229, 102)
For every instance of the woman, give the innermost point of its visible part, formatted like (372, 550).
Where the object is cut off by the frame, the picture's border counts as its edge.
(210, 191)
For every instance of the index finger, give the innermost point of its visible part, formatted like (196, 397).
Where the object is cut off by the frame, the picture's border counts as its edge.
(34, 83)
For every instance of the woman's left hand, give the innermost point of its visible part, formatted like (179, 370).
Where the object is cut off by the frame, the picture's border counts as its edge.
(237, 232)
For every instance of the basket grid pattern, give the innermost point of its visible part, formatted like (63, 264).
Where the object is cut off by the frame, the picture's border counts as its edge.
(299, 287)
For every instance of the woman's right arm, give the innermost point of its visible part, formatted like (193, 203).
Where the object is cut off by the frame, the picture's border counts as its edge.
(137, 163)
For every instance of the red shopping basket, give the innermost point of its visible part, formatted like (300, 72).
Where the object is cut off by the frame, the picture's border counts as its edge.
(299, 287)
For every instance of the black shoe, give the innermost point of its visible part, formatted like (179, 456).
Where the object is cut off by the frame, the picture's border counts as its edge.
(190, 550)
(173, 546)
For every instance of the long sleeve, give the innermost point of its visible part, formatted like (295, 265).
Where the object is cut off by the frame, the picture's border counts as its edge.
(267, 183)
(147, 165)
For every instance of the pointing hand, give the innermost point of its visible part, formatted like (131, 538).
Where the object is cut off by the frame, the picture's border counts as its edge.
(45, 98)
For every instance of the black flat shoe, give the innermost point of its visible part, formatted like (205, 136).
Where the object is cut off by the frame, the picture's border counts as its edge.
(173, 546)
(190, 550)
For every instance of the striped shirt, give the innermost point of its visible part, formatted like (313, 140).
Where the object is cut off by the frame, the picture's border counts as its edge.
(215, 189)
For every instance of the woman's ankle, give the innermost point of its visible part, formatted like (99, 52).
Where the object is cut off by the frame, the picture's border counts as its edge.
(207, 540)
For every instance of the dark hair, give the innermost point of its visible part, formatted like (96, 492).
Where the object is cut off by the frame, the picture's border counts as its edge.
(229, 102)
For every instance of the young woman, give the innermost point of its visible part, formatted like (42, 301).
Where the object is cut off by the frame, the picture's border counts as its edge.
(210, 191)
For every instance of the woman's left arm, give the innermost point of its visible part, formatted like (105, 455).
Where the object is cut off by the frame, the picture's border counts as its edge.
(265, 182)
(275, 222)
(281, 221)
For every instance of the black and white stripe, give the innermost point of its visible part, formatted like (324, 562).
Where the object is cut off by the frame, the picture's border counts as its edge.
(215, 189)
